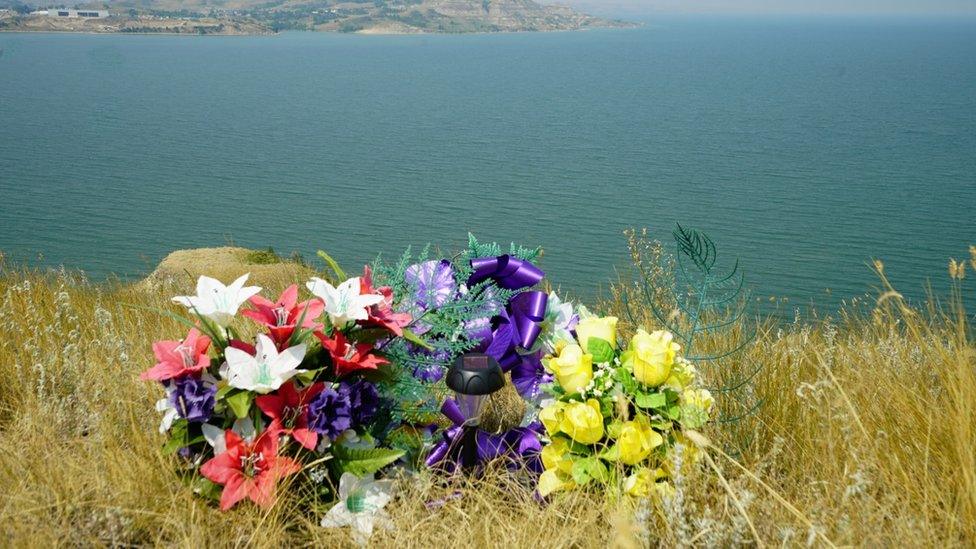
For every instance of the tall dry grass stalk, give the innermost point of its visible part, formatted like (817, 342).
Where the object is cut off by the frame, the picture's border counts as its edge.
(867, 437)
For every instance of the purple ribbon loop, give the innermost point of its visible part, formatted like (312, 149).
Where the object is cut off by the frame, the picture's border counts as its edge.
(521, 445)
(529, 375)
(508, 272)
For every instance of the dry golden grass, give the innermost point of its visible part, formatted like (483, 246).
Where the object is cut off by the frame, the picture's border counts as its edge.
(867, 437)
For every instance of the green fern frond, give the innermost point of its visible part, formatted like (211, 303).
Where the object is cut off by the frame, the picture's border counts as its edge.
(707, 308)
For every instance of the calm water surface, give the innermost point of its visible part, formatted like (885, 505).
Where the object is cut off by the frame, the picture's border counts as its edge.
(804, 147)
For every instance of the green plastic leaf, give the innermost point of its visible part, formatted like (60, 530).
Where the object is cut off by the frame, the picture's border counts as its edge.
(334, 265)
(626, 379)
(589, 468)
(580, 472)
(240, 403)
(650, 400)
(672, 412)
(598, 470)
(363, 461)
(611, 454)
(412, 337)
(601, 350)
(178, 436)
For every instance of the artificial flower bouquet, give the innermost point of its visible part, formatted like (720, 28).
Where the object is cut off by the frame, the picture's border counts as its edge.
(617, 414)
(245, 415)
(349, 381)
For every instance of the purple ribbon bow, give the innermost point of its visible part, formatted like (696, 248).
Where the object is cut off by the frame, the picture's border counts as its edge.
(519, 324)
(520, 445)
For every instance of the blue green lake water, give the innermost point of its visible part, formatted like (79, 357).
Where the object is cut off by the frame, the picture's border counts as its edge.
(805, 147)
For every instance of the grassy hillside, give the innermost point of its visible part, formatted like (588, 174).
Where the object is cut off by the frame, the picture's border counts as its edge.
(866, 437)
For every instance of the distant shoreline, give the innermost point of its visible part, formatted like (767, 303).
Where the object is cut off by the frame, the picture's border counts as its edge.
(436, 17)
(356, 33)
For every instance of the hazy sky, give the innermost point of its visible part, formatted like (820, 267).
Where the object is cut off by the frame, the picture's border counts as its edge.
(778, 6)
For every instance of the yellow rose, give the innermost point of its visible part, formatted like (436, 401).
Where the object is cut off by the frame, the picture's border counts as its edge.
(583, 421)
(604, 328)
(556, 456)
(573, 368)
(640, 483)
(651, 356)
(636, 441)
(551, 415)
(552, 480)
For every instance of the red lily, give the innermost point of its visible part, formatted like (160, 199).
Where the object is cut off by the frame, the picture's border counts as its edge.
(243, 345)
(282, 316)
(288, 410)
(382, 314)
(249, 470)
(179, 358)
(350, 357)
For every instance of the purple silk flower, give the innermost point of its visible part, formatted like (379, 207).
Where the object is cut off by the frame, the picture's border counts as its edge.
(193, 399)
(433, 283)
(363, 398)
(330, 413)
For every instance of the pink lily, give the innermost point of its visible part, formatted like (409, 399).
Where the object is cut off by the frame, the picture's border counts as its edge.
(179, 358)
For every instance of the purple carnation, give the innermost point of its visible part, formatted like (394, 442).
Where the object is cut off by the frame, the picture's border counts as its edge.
(330, 413)
(429, 366)
(363, 398)
(433, 282)
(194, 399)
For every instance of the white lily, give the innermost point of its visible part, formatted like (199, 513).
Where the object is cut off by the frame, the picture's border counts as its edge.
(170, 412)
(267, 370)
(344, 303)
(361, 502)
(216, 301)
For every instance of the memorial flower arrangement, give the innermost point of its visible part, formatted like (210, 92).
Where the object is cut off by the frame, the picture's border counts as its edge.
(246, 413)
(347, 381)
(617, 413)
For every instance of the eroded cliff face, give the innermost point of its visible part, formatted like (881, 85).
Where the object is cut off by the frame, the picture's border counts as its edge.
(180, 269)
(481, 16)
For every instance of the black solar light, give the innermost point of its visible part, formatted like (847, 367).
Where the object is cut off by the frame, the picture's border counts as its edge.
(473, 377)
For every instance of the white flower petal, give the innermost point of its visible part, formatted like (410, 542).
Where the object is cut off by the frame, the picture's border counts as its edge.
(215, 438)
(236, 285)
(289, 359)
(244, 427)
(362, 524)
(208, 286)
(347, 482)
(337, 517)
(168, 418)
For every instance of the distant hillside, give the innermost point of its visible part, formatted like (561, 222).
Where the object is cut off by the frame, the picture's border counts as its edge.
(368, 16)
